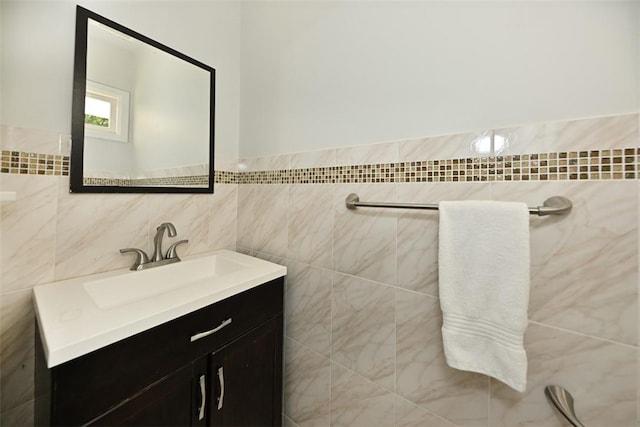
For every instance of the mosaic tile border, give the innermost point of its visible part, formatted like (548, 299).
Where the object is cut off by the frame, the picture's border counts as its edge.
(225, 177)
(187, 181)
(27, 163)
(617, 164)
(19, 162)
(567, 165)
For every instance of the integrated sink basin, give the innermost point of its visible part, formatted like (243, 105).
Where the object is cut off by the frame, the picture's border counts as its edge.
(83, 314)
(137, 285)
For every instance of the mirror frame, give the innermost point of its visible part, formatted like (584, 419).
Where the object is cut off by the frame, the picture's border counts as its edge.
(76, 167)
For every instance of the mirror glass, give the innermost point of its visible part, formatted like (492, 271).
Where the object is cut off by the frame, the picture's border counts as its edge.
(142, 117)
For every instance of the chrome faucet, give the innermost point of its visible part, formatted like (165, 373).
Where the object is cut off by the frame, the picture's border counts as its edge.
(157, 240)
(142, 260)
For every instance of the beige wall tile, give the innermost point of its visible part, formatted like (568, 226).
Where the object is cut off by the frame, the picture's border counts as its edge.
(273, 258)
(20, 416)
(34, 140)
(422, 373)
(264, 163)
(246, 225)
(363, 330)
(92, 228)
(27, 231)
(584, 273)
(223, 208)
(262, 218)
(365, 239)
(271, 222)
(575, 135)
(367, 154)
(288, 422)
(307, 386)
(190, 215)
(600, 375)
(245, 251)
(357, 402)
(409, 414)
(278, 162)
(443, 147)
(308, 306)
(313, 159)
(17, 333)
(311, 224)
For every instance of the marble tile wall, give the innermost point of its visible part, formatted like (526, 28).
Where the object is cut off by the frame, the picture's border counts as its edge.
(48, 234)
(362, 321)
(363, 342)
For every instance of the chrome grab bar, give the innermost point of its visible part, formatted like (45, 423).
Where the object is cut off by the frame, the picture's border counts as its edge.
(562, 400)
(556, 205)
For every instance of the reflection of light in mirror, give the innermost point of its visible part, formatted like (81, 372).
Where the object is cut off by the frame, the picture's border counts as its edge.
(489, 144)
(482, 145)
(499, 143)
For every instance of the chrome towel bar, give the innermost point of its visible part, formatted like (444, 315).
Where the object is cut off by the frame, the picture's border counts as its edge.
(556, 205)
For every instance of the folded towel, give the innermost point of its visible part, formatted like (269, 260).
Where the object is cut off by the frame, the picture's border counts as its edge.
(484, 287)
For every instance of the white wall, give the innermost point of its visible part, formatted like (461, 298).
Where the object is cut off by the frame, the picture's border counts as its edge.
(38, 46)
(323, 74)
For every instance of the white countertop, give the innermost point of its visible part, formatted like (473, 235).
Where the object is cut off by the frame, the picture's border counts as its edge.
(72, 324)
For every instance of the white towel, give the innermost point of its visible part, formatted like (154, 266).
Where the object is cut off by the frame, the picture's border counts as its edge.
(484, 287)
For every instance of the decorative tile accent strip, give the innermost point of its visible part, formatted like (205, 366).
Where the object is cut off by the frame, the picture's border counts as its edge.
(120, 182)
(622, 163)
(18, 162)
(225, 177)
(185, 181)
(25, 163)
(188, 181)
(566, 165)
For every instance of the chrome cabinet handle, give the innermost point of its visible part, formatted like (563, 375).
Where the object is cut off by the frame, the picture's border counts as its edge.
(221, 379)
(212, 331)
(203, 396)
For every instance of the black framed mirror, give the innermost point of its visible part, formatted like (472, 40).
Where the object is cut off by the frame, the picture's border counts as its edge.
(142, 114)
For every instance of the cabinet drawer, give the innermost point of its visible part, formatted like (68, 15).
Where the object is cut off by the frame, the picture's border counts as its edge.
(218, 324)
(140, 360)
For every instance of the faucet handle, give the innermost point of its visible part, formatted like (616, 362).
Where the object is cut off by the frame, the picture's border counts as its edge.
(171, 252)
(141, 259)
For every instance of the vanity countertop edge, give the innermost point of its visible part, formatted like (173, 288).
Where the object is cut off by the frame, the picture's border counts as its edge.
(72, 325)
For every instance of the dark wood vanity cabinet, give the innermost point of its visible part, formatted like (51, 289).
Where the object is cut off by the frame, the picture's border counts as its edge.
(165, 403)
(160, 377)
(242, 375)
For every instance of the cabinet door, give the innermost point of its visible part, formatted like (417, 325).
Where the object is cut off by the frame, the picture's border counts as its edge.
(165, 403)
(245, 379)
